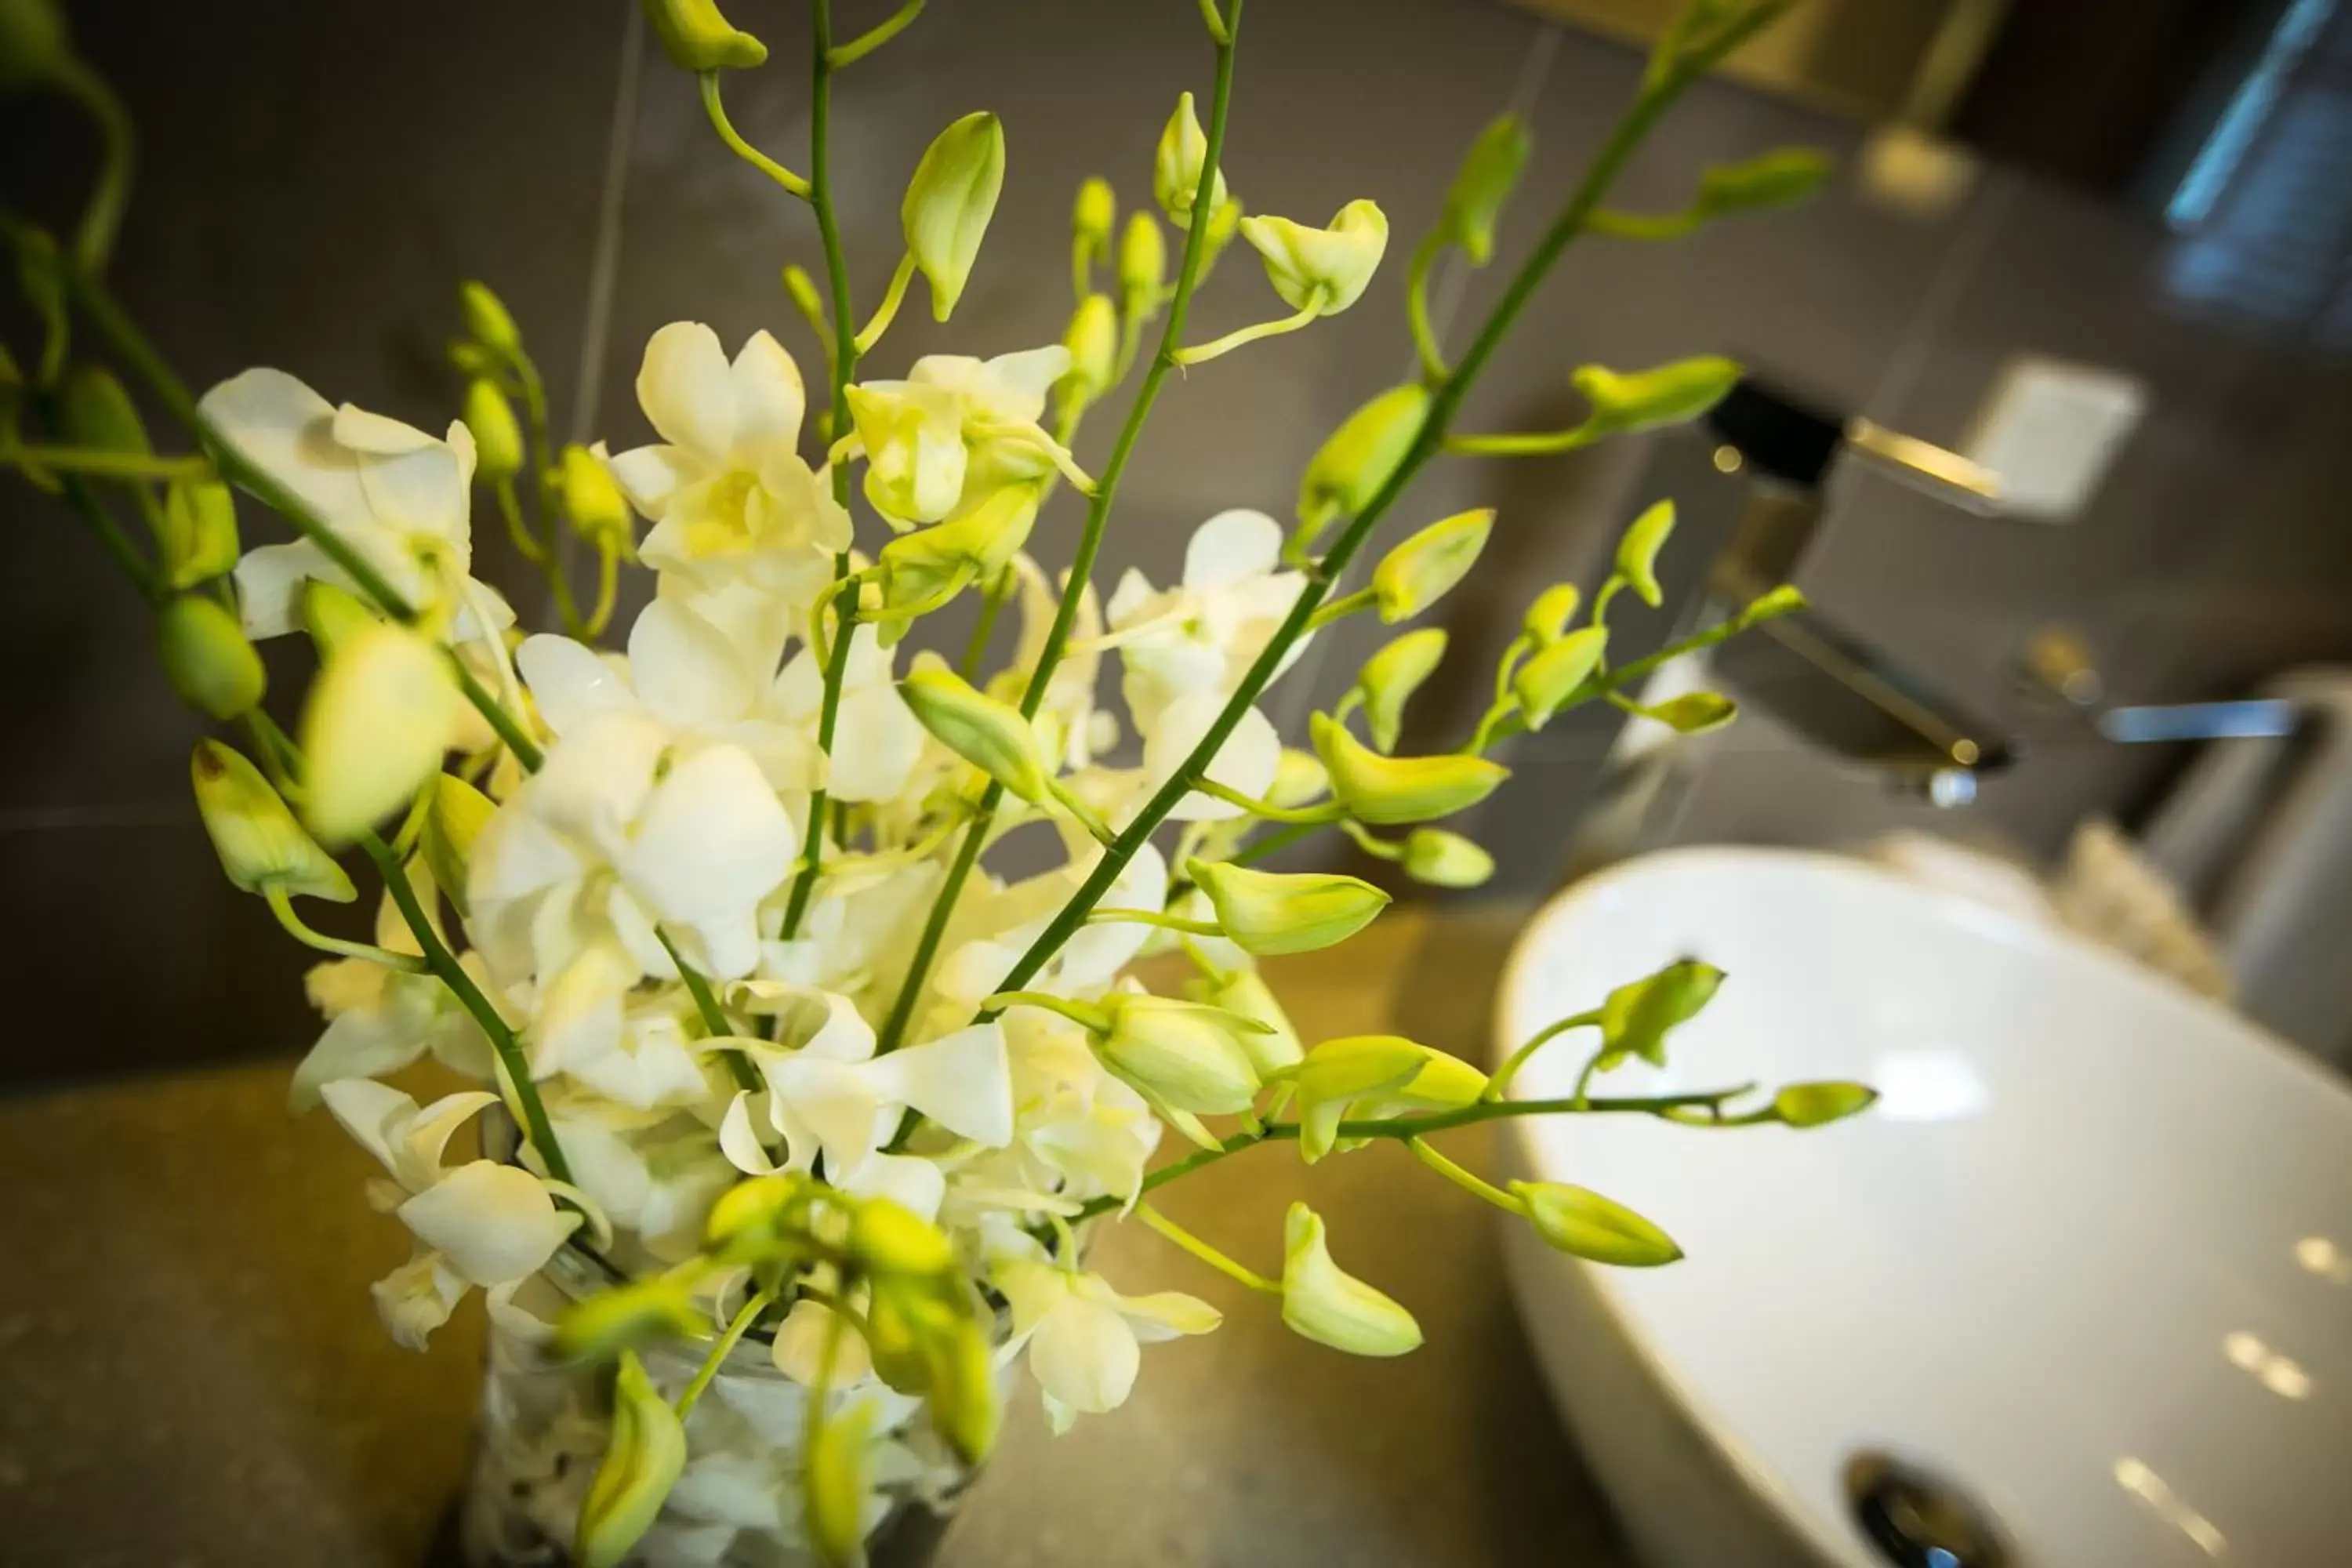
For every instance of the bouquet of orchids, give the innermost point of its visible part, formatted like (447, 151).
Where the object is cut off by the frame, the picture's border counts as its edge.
(773, 1071)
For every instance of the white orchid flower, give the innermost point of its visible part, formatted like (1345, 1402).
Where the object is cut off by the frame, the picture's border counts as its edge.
(981, 949)
(398, 497)
(1087, 732)
(832, 1096)
(1246, 762)
(480, 1224)
(619, 832)
(877, 739)
(654, 1174)
(688, 673)
(955, 431)
(381, 1019)
(1203, 634)
(1084, 1338)
(732, 501)
(653, 1066)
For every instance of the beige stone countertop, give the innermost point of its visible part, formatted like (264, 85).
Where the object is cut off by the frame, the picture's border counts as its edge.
(191, 1371)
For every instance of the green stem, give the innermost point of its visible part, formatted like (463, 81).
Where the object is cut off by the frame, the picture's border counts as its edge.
(1094, 1020)
(1400, 1129)
(1370, 844)
(450, 972)
(1565, 227)
(715, 1022)
(717, 110)
(1200, 1249)
(518, 530)
(1066, 613)
(1613, 224)
(1539, 445)
(1344, 605)
(737, 1327)
(865, 43)
(101, 217)
(608, 588)
(819, 192)
(887, 311)
(1306, 316)
(1219, 32)
(282, 906)
(1112, 915)
(1468, 1181)
(1281, 838)
(1501, 1081)
(99, 463)
(1416, 309)
(1313, 816)
(139, 355)
(992, 603)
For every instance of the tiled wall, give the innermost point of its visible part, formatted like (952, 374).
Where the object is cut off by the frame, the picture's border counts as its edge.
(316, 177)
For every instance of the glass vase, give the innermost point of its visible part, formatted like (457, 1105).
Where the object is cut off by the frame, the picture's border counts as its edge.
(545, 1422)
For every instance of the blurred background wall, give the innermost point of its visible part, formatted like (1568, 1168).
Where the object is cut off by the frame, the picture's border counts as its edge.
(315, 180)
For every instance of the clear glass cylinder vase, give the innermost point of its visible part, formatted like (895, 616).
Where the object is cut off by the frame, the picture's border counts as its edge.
(545, 1423)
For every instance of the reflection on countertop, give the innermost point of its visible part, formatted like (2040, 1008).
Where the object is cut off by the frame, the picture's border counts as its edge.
(194, 1374)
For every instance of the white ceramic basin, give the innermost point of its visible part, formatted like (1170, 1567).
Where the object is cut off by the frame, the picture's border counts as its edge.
(2089, 1261)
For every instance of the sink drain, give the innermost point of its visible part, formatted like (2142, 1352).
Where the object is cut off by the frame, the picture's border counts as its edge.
(1917, 1520)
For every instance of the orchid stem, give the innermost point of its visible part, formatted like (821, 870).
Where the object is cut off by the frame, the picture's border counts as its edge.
(887, 311)
(722, 1348)
(1200, 354)
(1468, 1181)
(1200, 1249)
(873, 38)
(1501, 1081)
(717, 110)
(282, 905)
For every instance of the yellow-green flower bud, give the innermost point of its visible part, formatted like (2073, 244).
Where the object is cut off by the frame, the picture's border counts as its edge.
(1391, 791)
(98, 413)
(1630, 401)
(750, 1212)
(991, 736)
(456, 818)
(1819, 1104)
(331, 613)
(834, 1485)
(1093, 342)
(33, 46)
(1444, 859)
(1547, 618)
(206, 657)
(592, 500)
(1780, 178)
(698, 38)
(1694, 712)
(916, 461)
(1391, 676)
(917, 566)
(498, 439)
(1350, 467)
(1583, 1223)
(1484, 184)
(1179, 1053)
(378, 720)
(1142, 264)
(614, 1320)
(260, 843)
(924, 1345)
(1298, 778)
(1324, 269)
(1271, 912)
(1636, 1017)
(1388, 1072)
(1092, 218)
(1552, 675)
(1176, 167)
(1275, 1044)
(1426, 567)
(887, 1237)
(196, 541)
(488, 321)
(948, 202)
(1637, 551)
(642, 1461)
(1323, 1302)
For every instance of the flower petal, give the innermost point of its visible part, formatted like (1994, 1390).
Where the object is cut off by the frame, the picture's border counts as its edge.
(286, 430)
(799, 1352)
(570, 682)
(876, 743)
(769, 398)
(685, 670)
(1246, 762)
(913, 1183)
(649, 476)
(688, 390)
(713, 841)
(962, 1081)
(495, 1223)
(417, 1298)
(366, 1110)
(1085, 1356)
(1233, 547)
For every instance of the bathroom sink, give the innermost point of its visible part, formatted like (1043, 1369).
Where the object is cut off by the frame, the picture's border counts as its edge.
(2076, 1292)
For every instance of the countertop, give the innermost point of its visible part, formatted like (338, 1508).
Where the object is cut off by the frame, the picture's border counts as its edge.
(191, 1371)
